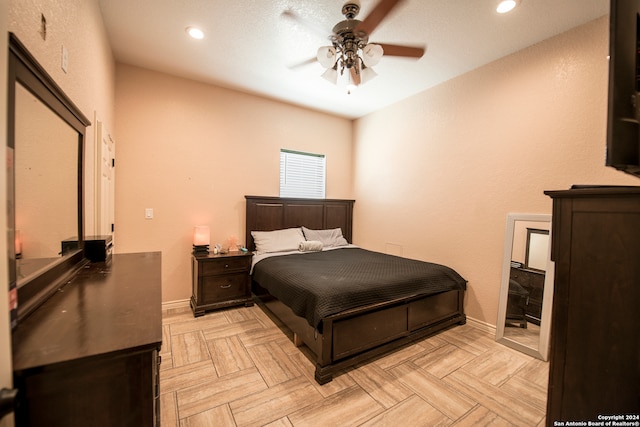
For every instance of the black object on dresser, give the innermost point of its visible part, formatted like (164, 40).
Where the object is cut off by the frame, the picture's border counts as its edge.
(595, 332)
(96, 248)
(88, 356)
(220, 280)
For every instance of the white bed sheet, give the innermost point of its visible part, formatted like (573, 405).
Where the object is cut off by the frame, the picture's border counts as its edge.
(259, 257)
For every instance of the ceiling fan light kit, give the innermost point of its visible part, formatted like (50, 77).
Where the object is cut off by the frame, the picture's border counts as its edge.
(350, 49)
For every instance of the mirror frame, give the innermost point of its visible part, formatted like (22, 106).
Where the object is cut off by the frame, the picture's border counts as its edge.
(542, 352)
(24, 69)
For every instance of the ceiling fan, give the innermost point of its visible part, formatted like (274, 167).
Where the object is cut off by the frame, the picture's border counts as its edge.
(350, 48)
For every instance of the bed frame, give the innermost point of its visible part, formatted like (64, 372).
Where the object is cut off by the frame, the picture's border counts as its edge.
(353, 336)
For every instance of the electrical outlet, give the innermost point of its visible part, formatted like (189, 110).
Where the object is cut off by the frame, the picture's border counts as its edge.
(65, 59)
(148, 213)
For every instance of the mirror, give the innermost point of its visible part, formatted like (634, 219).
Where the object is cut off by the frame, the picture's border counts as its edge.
(526, 290)
(45, 168)
(45, 137)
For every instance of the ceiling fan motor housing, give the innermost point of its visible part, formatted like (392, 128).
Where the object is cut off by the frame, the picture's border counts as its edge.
(346, 40)
(351, 9)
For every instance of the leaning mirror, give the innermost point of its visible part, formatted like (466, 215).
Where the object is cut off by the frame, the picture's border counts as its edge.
(526, 290)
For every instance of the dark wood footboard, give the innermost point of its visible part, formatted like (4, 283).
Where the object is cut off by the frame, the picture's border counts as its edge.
(354, 336)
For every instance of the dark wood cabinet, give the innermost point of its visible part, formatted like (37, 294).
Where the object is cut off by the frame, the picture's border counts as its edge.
(595, 332)
(220, 280)
(88, 356)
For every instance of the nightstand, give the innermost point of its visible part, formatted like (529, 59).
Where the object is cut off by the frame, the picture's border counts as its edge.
(220, 280)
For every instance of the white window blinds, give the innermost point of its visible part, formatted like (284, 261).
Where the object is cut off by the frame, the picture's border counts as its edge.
(302, 174)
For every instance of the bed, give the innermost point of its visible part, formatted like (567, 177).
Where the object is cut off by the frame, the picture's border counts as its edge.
(359, 326)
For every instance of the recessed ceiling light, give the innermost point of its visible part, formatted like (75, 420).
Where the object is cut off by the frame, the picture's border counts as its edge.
(194, 32)
(505, 6)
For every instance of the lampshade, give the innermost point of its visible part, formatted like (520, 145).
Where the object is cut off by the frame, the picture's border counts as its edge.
(367, 74)
(331, 75)
(327, 56)
(371, 54)
(18, 242)
(201, 235)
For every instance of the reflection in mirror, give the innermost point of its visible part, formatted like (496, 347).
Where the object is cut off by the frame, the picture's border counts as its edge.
(536, 247)
(46, 197)
(524, 312)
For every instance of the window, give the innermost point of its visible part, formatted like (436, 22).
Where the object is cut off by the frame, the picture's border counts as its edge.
(302, 174)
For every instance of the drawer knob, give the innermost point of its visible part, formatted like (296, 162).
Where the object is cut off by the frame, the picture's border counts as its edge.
(226, 266)
(225, 286)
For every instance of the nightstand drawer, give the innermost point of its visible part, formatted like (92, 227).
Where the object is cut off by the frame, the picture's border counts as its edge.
(222, 288)
(224, 265)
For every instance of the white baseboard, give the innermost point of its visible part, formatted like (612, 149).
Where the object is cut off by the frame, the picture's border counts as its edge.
(182, 303)
(487, 327)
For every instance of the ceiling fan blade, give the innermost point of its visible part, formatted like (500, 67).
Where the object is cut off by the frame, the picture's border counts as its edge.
(355, 76)
(376, 16)
(303, 63)
(314, 28)
(398, 50)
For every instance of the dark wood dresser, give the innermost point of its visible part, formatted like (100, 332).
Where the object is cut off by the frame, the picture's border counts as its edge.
(89, 356)
(595, 332)
(533, 282)
(220, 280)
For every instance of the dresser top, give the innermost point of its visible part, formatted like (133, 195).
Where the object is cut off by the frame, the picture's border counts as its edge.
(596, 190)
(105, 308)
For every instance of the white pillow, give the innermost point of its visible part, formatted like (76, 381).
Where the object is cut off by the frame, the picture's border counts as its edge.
(287, 239)
(330, 238)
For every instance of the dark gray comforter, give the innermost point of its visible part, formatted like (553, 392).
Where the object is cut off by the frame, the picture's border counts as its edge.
(318, 284)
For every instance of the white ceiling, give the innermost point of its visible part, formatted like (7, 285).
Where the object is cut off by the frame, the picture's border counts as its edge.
(249, 46)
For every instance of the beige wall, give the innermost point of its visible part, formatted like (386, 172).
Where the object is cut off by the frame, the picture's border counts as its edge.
(77, 25)
(436, 175)
(192, 151)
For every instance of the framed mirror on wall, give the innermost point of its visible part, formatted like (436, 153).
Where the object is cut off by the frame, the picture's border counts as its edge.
(526, 288)
(45, 140)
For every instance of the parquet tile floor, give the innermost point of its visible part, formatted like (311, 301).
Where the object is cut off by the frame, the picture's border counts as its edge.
(237, 367)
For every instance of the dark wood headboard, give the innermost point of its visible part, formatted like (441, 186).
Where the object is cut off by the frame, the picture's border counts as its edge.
(275, 213)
